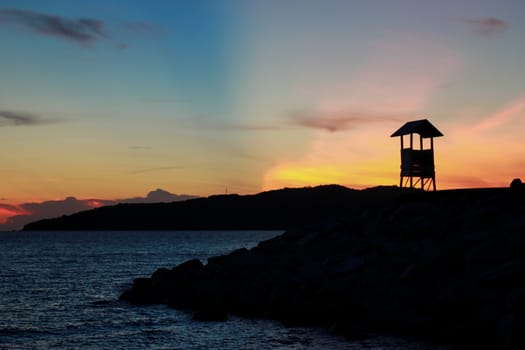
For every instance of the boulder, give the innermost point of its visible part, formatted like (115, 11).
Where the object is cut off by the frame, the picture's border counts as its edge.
(210, 315)
(516, 184)
(446, 267)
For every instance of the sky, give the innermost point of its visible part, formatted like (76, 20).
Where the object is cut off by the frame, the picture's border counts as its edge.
(111, 99)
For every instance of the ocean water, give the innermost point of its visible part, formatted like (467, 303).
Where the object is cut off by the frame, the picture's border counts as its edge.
(59, 290)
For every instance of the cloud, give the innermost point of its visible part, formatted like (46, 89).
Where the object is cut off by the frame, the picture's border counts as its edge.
(10, 118)
(339, 121)
(8, 207)
(382, 90)
(509, 114)
(7, 210)
(486, 26)
(82, 31)
(14, 217)
(28, 212)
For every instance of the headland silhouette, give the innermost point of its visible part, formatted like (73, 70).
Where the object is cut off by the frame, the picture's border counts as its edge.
(445, 266)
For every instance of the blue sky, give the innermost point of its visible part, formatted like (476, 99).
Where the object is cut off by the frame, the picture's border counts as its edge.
(110, 99)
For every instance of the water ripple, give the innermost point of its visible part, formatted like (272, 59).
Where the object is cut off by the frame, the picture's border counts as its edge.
(59, 290)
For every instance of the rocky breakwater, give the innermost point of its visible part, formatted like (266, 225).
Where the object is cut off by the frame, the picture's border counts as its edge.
(446, 266)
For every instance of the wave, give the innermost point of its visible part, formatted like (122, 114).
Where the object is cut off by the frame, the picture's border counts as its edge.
(22, 330)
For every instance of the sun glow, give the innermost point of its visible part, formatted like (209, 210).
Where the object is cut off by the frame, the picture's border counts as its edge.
(303, 175)
(93, 203)
(6, 213)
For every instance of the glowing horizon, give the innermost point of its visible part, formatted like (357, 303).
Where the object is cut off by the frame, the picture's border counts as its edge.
(105, 100)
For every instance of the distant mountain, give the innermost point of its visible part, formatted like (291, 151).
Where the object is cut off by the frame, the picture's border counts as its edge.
(278, 209)
(158, 196)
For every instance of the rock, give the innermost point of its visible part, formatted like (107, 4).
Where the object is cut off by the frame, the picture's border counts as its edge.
(194, 264)
(446, 267)
(142, 292)
(161, 274)
(508, 275)
(487, 255)
(516, 184)
(210, 316)
(351, 331)
(220, 260)
(346, 266)
(516, 300)
(506, 329)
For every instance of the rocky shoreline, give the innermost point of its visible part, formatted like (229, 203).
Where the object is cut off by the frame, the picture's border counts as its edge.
(447, 267)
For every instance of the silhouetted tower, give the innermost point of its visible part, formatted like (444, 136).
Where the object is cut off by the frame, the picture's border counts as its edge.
(417, 163)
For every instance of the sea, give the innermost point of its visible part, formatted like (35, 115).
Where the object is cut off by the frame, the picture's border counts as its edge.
(60, 290)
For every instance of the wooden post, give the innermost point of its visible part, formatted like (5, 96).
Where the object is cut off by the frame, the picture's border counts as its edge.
(411, 149)
(434, 176)
(421, 148)
(401, 171)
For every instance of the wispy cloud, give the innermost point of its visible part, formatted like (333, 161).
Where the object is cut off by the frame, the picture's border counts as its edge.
(10, 118)
(82, 30)
(486, 26)
(513, 112)
(382, 90)
(339, 121)
(11, 208)
(16, 216)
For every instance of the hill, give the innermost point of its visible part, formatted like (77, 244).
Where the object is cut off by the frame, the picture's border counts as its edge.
(272, 210)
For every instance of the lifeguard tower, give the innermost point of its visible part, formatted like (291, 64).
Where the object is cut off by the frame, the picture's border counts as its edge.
(417, 163)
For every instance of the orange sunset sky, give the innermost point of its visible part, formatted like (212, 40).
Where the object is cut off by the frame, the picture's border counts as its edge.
(111, 99)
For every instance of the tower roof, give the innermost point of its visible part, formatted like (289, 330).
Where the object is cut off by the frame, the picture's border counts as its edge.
(422, 127)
